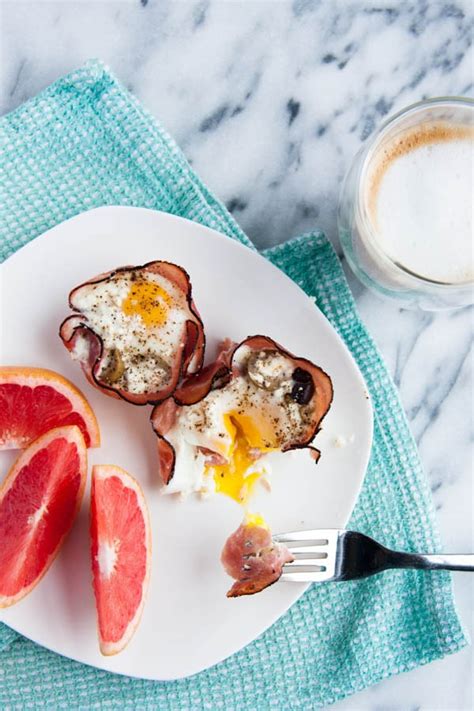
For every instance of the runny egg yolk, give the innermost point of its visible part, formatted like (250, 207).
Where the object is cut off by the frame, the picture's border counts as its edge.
(149, 301)
(254, 519)
(236, 478)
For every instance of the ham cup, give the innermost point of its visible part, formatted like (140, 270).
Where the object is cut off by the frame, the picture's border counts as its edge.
(136, 331)
(252, 558)
(255, 398)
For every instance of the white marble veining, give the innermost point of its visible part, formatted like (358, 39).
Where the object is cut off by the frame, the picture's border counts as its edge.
(269, 101)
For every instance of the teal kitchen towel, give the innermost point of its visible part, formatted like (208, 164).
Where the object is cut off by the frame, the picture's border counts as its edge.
(85, 142)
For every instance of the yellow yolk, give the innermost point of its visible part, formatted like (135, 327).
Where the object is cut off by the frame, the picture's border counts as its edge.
(149, 301)
(236, 479)
(232, 478)
(259, 435)
(256, 520)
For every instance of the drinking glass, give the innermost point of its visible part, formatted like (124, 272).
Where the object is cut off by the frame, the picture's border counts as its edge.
(364, 252)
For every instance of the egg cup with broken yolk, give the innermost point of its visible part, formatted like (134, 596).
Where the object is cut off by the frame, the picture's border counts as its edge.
(136, 331)
(265, 400)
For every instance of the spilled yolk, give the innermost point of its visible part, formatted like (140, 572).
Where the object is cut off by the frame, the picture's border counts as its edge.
(149, 301)
(236, 479)
(232, 478)
(254, 519)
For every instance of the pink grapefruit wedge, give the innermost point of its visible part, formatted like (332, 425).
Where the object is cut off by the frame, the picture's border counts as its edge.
(34, 400)
(39, 501)
(120, 553)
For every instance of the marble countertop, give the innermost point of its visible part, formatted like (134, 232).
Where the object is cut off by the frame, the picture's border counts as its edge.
(270, 101)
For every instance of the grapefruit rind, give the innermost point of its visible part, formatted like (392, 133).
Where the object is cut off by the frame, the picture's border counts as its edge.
(103, 471)
(71, 433)
(33, 377)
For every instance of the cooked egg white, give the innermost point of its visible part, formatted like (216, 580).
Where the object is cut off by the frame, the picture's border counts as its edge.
(240, 423)
(213, 426)
(140, 319)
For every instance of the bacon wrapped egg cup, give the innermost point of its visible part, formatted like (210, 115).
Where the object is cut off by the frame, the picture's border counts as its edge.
(254, 399)
(136, 332)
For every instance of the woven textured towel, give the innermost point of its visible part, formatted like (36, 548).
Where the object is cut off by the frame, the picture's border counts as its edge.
(85, 142)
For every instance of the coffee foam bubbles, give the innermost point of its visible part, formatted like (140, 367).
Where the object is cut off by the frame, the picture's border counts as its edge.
(419, 200)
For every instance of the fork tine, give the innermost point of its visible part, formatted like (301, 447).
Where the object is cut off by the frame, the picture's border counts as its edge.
(306, 564)
(307, 571)
(312, 550)
(319, 536)
(314, 554)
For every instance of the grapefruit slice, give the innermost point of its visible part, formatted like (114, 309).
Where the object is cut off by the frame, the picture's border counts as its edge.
(121, 554)
(39, 500)
(34, 400)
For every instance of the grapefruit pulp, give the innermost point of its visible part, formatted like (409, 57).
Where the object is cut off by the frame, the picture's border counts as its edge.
(120, 554)
(39, 500)
(34, 400)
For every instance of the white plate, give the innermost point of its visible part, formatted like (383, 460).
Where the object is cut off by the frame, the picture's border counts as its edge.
(188, 623)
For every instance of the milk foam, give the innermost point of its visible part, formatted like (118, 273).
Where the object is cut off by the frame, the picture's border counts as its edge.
(420, 202)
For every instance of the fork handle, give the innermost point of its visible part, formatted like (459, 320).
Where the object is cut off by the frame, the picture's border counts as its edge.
(428, 561)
